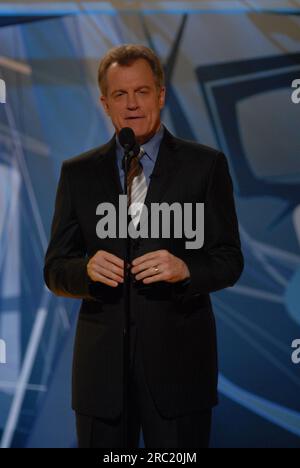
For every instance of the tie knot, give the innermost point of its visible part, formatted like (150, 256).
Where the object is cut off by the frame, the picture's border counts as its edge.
(136, 160)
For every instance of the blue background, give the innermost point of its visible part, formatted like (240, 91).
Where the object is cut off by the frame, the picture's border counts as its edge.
(229, 73)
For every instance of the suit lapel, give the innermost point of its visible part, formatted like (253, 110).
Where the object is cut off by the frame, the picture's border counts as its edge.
(166, 166)
(165, 169)
(109, 177)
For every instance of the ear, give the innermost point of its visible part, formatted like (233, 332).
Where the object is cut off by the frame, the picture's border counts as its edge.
(103, 101)
(162, 97)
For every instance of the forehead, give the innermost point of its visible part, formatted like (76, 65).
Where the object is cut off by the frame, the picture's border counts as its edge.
(137, 73)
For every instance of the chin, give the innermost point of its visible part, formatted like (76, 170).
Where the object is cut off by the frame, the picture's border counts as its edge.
(141, 131)
(140, 135)
(137, 128)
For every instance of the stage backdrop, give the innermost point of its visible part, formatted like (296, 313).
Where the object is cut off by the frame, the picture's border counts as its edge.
(230, 70)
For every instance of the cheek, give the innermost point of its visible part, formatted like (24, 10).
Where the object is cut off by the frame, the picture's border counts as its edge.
(116, 114)
(153, 110)
(114, 108)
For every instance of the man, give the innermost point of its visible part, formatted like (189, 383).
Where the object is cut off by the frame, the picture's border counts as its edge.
(173, 355)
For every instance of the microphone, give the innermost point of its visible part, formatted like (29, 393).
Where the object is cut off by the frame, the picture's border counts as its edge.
(127, 138)
(128, 141)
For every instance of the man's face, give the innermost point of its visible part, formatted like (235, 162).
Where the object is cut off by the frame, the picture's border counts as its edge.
(133, 99)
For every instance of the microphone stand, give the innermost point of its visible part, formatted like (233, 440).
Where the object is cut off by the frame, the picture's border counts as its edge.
(129, 152)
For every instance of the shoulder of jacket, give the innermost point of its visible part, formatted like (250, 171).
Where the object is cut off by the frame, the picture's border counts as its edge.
(197, 152)
(83, 160)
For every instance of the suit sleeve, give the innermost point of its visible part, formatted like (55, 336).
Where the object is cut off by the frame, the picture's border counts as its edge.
(219, 263)
(65, 269)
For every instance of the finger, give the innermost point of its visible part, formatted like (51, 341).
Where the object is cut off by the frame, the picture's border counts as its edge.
(154, 278)
(101, 262)
(114, 259)
(102, 270)
(102, 279)
(145, 257)
(107, 265)
(147, 273)
(143, 266)
(108, 273)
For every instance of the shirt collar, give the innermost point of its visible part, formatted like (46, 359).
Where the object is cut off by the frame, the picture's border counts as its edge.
(151, 147)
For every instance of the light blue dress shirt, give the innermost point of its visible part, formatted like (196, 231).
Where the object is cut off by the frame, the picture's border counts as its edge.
(148, 160)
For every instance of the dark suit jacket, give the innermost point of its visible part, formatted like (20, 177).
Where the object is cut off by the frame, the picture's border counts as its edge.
(175, 321)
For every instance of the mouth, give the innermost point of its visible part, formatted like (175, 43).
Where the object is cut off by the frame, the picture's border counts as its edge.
(134, 118)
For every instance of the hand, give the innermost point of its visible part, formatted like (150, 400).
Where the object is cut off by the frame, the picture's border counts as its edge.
(170, 268)
(106, 268)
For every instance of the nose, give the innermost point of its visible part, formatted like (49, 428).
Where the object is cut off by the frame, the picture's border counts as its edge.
(132, 103)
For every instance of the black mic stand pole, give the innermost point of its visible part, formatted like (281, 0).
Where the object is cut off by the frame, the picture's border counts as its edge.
(128, 153)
